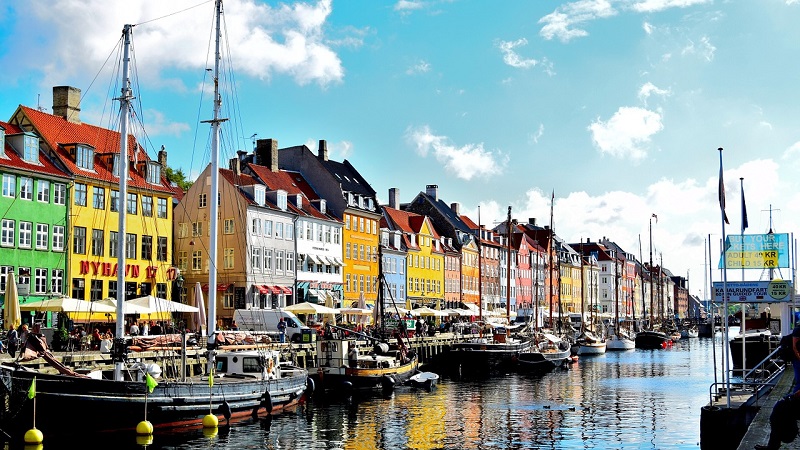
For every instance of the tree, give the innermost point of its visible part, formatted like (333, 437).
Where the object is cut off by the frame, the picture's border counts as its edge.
(178, 177)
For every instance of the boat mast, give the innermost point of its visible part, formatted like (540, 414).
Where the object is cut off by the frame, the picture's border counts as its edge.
(550, 261)
(119, 354)
(650, 272)
(616, 294)
(480, 277)
(583, 291)
(212, 253)
(508, 273)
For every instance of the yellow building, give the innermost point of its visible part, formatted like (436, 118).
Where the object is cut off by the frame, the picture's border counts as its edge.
(90, 155)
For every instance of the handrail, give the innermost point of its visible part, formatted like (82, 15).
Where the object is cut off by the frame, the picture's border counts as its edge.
(757, 385)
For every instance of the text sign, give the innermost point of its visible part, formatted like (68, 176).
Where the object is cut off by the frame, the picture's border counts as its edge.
(756, 251)
(774, 291)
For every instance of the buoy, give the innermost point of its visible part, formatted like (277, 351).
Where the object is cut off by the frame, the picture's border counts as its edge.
(210, 421)
(33, 436)
(310, 386)
(144, 428)
(144, 439)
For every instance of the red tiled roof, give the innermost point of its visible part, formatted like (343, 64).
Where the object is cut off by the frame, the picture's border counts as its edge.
(293, 183)
(13, 160)
(57, 131)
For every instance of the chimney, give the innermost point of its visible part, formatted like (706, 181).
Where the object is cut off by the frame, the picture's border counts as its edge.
(394, 198)
(433, 191)
(267, 153)
(162, 157)
(322, 151)
(66, 103)
(235, 166)
(532, 221)
(456, 208)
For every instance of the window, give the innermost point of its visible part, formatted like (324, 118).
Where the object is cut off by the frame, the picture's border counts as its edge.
(183, 229)
(25, 232)
(255, 258)
(361, 224)
(197, 260)
(327, 233)
(183, 260)
(112, 289)
(279, 230)
(96, 290)
(320, 232)
(40, 280)
(57, 281)
(7, 233)
(227, 258)
(346, 222)
(161, 253)
(161, 290)
(268, 228)
(347, 251)
(78, 289)
(130, 246)
(267, 260)
(99, 198)
(309, 231)
(289, 235)
(153, 173)
(43, 191)
(279, 261)
(9, 185)
(59, 193)
(147, 206)
(259, 195)
(256, 229)
(202, 200)
(132, 203)
(113, 244)
(162, 208)
(84, 157)
(26, 188)
(58, 238)
(228, 226)
(114, 201)
(289, 262)
(30, 152)
(227, 299)
(80, 194)
(42, 236)
(98, 247)
(197, 229)
(79, 241)
(147, 247)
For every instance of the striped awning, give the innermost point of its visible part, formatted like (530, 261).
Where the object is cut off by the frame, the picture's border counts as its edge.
(262, 289)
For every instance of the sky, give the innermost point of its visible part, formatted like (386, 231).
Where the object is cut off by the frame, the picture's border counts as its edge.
(614, 108)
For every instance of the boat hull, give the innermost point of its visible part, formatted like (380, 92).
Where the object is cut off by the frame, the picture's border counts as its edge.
(757, 348)
(652, 340)
(594, 348)
(620, 344)
(540, 362)
(65, 403)
(478, 358)
(347, 378)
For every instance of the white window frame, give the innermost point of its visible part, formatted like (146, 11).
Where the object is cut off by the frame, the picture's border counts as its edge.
(26, 188)
(43, 191)
(9, 185)
(8, 233)
(42, 236)
(25, 234)
(58, 238)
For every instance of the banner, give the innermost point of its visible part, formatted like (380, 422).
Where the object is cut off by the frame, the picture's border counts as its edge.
(774, 291)
(756, 251)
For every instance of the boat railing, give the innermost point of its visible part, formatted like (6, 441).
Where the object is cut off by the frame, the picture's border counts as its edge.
(762, 375)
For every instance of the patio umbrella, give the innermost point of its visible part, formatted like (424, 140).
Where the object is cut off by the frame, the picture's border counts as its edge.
(425, 311)
(127, 307)
(201, 308)
(310, 308)
(11, 312)
(68, 305)
(162, 304)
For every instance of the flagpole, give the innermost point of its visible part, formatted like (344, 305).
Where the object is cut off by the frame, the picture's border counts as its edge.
(741, 253)
(724, 219)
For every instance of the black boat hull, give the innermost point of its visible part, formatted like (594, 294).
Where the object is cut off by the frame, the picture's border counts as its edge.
(652, 340)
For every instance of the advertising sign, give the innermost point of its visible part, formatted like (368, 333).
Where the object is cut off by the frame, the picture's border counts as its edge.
(756, 251)
(774, 291)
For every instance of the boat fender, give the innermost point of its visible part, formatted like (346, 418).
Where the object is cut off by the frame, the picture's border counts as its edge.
(225, 410)
(387, 382)
(266, 401)
(310, 386)
(347, 386)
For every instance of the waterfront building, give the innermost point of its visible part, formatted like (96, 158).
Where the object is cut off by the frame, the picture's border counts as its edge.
(625, 278)
(352, 200)
(547, 239)
(318, 234)
(680, 294)
(524, 275)
(452, 273)
(491, 250)
(393, 266)
(425, 257)
(90, 156)
(34, 222)
(569, 285)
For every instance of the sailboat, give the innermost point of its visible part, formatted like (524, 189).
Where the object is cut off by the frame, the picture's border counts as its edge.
(650, 338)
(586, 341)
(341, 366)
(238, 384)
(618, 339)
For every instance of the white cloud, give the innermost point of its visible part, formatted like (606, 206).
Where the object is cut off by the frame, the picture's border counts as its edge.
(263, 40)
(465, 162)
(336, 150)
(703, 48)
(534, 137)
(406, 6)
(627, 133)
(647, 6)
(421, 66)
(793, 151)
(561, 22)
(511, 58)
(649, 89)
(156, 124)
(648, 28)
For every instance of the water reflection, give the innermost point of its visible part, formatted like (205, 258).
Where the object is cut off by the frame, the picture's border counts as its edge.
(635, 399)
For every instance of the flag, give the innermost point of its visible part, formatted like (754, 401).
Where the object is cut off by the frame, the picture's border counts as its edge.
(150, 382)
(655, 217)
(744, 212)
(32, 389)
(722, 190)
(211, 378)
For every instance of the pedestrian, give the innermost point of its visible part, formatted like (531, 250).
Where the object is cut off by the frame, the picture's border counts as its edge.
(134, 330)
(13, 341)
(282, 330)
(796, 359)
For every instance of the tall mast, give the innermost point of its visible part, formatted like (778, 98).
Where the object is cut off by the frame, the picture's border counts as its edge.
(583, 291)
(214, 207)
(550, 259)
(650, 272)
(122, 205)
(480, 276)
(508, 272)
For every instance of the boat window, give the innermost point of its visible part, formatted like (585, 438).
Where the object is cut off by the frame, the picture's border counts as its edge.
(251, 365)
(222, 365)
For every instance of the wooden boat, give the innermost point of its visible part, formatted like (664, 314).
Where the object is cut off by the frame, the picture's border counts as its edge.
(342, 366)
(549, 354)
(495, 352)
(588, 344)
(241, 384)
(425, 380)
(620, 342)
(652, 340)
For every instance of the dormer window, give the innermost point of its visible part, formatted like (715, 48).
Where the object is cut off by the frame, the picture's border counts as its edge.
(2, 140)
(84, 157)
(259, 195)
(369, 204)
(282, 200)
(153, 172)
(299, 201)
(322, 206)
(31, 149)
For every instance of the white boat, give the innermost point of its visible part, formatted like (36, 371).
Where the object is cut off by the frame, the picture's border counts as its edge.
(426, 380)
(620, 342)
(241, 383)
(588, 344)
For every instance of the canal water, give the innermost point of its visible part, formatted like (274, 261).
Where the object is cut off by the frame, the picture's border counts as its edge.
(635, 399)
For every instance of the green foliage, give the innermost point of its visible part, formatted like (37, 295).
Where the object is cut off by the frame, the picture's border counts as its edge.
(60, 338)
(177, 176)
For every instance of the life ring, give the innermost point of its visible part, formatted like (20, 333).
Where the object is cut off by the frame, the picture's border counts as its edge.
(270, 365)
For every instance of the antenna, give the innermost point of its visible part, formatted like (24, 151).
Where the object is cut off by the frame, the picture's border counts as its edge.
(253, 140)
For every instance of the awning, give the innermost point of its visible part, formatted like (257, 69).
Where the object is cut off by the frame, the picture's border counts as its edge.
(339, 262)
(221, 287)
(275, 289)
(314, 293)
(330, 260)
(318, 259)
(285, 289)
(262, 289)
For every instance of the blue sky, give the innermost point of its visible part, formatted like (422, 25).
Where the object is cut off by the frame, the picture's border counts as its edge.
(618, 107)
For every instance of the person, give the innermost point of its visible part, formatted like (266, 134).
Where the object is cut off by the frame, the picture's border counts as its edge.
(146, 329)
(796, 359)
(37, 332)
(96, 338)
(235, 326)
(134, 329)
(282, 330)
(782, 422)
(23, 335)
(419, 329)
(13, 341)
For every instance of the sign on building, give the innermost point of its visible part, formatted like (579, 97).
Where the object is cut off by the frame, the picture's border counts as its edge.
(756, 251)
(774, 291)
